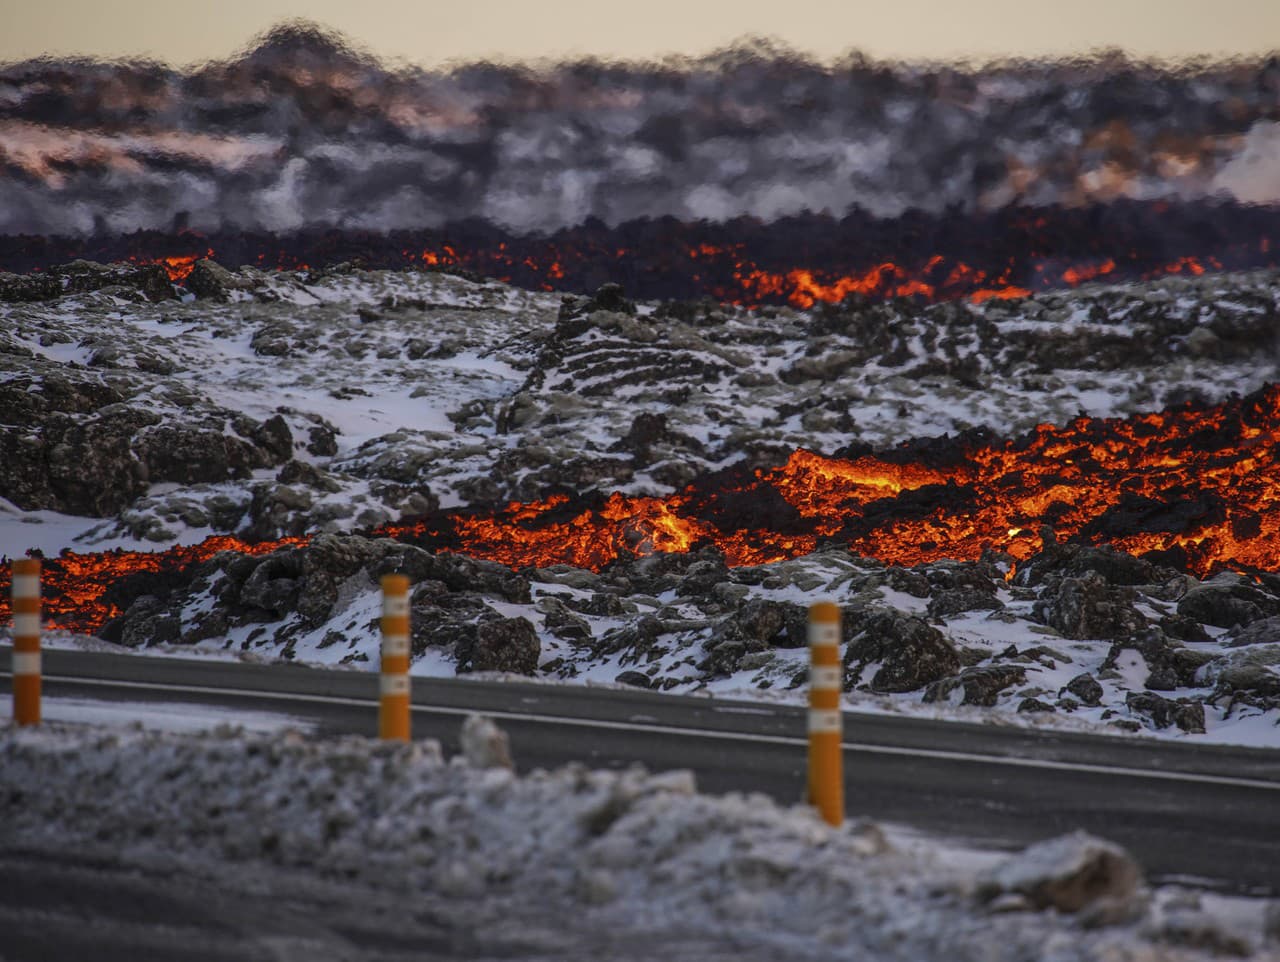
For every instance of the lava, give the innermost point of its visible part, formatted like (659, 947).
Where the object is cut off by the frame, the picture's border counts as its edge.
(801, 261)
(1194, 487)
(178, 267)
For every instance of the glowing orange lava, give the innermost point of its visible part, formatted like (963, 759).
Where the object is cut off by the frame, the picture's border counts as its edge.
(937, 279)
(1195, 487)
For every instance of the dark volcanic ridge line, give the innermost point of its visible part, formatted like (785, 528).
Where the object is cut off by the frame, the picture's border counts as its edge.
(800, 260)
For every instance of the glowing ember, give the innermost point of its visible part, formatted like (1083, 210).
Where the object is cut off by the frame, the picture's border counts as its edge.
(178, 267)
(1195, 487)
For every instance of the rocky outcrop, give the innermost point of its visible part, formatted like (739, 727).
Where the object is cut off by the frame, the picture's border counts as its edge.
(1265, 631)
(911, 653)
(1086, 688)
(1088, 607)
(98, 464)
(110, 404)
(1161, 713)
(981, 685)
(1228, 600)
(17, 288)
(504, 644)
(209, 280)
(136, 282)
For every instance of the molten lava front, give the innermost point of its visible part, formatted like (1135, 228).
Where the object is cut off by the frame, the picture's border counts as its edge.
(801, 261)
(1194, 487)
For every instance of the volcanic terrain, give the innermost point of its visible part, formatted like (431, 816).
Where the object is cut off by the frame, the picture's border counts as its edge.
(1061, 507)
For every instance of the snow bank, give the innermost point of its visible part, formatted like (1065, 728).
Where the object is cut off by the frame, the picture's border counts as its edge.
(600, 851)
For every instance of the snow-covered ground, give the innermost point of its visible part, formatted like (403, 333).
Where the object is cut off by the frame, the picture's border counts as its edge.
(303, 403)
(403, 388)
(574, 858)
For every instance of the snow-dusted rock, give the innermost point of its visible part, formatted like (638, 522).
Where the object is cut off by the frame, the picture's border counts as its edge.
(484, 744)
(1067, 873)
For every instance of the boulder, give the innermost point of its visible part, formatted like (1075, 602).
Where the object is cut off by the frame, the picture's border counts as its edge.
(1076, 560)
(911, 652)
(761, 622)
(649, 429)
(608, 297)
(209, 280)
(908, 581)
(633, 640)
(274, 585)
(1086, 688)
(1228, 600)
(1068, 873)
(137, 282)
(1087, 607)
(503, 644)
(328, 561)
(1184, 628)
(1253, 679)
(274, 437)
(1263, 632)
(954, 601)
(561, 622)
(1162, 712)
(85, 466)
(1169, 665)
(322, 441)
(191, 454)
(458, 572)
(982, 685)
(484, 744)
(702, 577)
(1032, 705)
(433, 627)
(149, 621)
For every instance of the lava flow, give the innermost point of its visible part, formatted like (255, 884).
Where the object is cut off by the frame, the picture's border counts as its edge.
(1197, 488)
(800, 260)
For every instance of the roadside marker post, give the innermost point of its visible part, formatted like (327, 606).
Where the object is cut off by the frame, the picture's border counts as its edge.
(393, 705)
(26, 641)
(826, 769)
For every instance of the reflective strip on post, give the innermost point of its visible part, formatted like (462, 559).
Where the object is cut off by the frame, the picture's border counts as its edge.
(393, 703)
(826, 675)
(26, 641)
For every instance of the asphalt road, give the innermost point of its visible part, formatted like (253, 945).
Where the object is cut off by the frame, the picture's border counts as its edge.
(1186, 811)
(69, 908)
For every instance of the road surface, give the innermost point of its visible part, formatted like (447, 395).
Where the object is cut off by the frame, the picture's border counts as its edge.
(1185, 810)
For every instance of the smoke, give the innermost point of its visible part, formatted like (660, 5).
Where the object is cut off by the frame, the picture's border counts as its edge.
(300, 131)
(1253, 174)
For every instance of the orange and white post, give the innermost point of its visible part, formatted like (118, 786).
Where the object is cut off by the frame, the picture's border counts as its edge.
(26, 641)
(826, 769)
(393, 706)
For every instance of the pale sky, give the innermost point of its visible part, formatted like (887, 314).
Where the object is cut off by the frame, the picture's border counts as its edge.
(430, 32)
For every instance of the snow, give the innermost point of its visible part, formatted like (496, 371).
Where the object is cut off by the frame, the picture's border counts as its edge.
(432, 418)
(626, 853)
(183, 717)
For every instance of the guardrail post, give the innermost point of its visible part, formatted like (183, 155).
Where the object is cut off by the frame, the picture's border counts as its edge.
(393, 705)
(26, 641)
(826, 769)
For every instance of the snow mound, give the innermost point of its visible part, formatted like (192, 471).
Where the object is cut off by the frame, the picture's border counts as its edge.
(605, 851)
